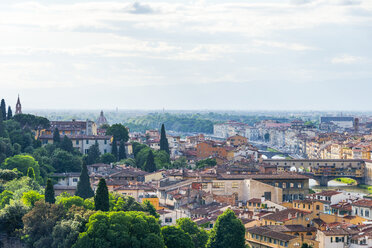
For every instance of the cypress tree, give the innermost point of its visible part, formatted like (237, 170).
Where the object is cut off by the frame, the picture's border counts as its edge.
(114, 150)
(3, 109)
(83, 187)
(122, 154)
(93, 154)
(150, 164)
(101, 199)
(10, 113)
(31, 173)
(66, 144)
(164, 146)
(49, 192)
(2, 129)
(56, 137)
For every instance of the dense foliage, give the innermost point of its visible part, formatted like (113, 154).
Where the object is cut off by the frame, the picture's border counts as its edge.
(179, 123)
(228, 232)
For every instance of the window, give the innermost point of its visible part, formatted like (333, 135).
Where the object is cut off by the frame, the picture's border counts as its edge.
(366, 213)
(86, 151)
(218, 185)
(87, 141)
(295, 204)
(317, 207)
(274, 241)
(74, 180)
(234, 185)
(303, 205)
(281, 243)
(105, 151)
(286, 244)
(331, 239)
(292, 185)
(77, 142)
(361, 212)
(168, 220)
(105, 142)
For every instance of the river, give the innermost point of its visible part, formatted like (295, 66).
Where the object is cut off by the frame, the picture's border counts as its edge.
(332, 185)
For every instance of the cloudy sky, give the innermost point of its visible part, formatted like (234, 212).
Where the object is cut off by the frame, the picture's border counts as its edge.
(211, 54)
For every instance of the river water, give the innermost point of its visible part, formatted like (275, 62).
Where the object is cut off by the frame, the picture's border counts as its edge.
(333, 185)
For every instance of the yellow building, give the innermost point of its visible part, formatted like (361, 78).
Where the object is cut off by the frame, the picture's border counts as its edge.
(265, 237)
(309, 205)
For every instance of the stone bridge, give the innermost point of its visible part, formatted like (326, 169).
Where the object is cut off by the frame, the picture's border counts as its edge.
(325, 170)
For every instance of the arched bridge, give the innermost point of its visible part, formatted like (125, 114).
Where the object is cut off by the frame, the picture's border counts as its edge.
(324, 170)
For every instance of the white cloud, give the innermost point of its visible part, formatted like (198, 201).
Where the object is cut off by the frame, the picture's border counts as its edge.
(346, 59)
(288, 46)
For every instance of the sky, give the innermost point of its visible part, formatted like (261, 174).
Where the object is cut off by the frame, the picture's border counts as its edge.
(227, 55)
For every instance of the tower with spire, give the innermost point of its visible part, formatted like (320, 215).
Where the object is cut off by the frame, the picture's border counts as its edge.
(18, 107)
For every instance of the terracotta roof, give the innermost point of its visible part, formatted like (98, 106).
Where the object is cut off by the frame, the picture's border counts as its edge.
(286, 214)
(328, 193)
(363, 203)
(291, 228)
(267, 232)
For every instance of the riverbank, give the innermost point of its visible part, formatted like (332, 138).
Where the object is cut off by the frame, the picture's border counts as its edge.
(337, 185)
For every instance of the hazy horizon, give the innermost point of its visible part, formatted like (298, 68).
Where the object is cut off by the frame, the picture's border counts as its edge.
(288, 55)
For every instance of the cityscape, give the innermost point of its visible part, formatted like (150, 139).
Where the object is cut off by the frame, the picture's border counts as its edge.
(185, 124)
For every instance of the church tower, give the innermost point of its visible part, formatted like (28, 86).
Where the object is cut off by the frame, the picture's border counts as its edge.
(18, 107)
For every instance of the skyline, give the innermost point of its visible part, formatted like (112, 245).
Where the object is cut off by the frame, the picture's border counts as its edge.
(189, 55)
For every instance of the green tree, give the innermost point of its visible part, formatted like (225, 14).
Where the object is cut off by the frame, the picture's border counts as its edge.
(31, 197)
(164, 146)
(93, 154)
(11, 217)
(31, 173)
(10, 113)
(21, 185)
(3, 109)
(49, 192)
(39, 223)
(22, 163)
(2, 127)
(65, 233)
(198, 235)
(148, 207)
(161, 159)
(119, 132)
(66, 144)
(5, 198)
(150, 164)
(114, 150)
(126, 203)
(121, 229)
(176, 238)
(209, 162)
(84, 189)
(122, 154)
(180, 163)
(68, 201)
(56, 136)
(227, 232)
(306, 245)
(9, 175)
(63, 161)
(107, 158)
(101, 199)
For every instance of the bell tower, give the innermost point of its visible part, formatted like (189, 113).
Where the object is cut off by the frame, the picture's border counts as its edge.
(18, 107)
